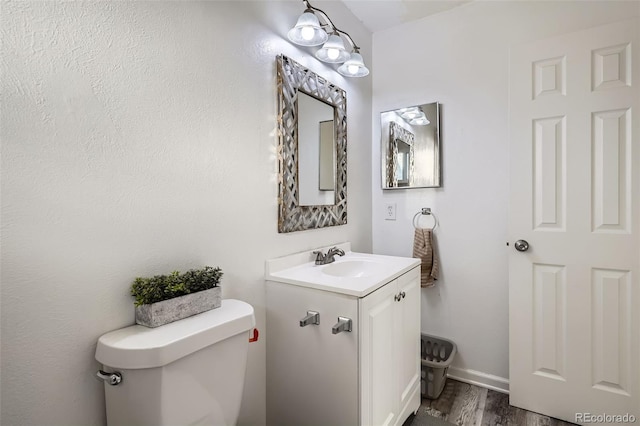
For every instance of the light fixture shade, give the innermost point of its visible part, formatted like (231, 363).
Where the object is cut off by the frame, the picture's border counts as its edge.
(308, 31)
(354, 67)
(333, 50)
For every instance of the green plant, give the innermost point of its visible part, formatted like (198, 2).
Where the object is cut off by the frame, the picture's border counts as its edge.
(163, 287)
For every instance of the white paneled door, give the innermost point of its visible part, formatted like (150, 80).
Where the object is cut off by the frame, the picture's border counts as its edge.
(574, 292)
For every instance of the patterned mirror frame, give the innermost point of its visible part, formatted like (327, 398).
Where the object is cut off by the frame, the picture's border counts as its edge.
(293, 77)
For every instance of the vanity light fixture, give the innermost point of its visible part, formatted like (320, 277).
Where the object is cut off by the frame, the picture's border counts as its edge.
(310, 31)
(333, 51)
(354, 66)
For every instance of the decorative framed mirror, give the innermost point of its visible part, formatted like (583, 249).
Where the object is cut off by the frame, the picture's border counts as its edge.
(411, 147)
(312, 149)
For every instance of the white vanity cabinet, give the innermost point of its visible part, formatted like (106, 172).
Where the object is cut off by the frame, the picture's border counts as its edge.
(367, 376)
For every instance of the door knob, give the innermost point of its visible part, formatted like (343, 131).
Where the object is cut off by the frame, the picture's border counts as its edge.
(521, 245)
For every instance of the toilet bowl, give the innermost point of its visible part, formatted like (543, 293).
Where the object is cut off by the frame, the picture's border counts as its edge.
(189, 372)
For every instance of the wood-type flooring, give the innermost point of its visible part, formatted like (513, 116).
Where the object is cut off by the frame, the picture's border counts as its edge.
(468, 405)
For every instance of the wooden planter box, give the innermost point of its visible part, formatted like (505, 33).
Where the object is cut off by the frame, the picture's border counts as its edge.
(160, 313)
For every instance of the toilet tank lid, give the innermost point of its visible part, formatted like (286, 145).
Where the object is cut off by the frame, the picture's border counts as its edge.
(138, 346)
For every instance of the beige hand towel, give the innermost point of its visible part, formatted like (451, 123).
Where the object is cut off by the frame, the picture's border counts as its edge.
(423, 249)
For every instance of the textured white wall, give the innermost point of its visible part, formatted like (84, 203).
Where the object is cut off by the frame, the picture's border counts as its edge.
(460, 58)
(139, 138)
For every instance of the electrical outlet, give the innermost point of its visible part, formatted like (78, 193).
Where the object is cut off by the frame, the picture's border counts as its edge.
(390, 211)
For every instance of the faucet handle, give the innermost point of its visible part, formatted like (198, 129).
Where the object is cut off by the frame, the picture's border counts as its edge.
(319, 256)
(336, 250)
(312, 317)
(344, 324)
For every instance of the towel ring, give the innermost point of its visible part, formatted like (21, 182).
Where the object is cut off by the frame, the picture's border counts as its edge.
(426, 211)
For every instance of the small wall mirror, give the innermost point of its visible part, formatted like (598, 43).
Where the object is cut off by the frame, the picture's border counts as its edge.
(312, 149)
(411, 152)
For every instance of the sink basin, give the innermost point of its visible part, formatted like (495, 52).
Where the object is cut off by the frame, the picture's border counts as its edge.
(352, 269)
(354, 274)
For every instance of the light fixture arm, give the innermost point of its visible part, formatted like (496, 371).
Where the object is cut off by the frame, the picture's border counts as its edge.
(330, 23)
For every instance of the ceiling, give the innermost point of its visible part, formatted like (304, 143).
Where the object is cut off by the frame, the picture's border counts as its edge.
(378, 15)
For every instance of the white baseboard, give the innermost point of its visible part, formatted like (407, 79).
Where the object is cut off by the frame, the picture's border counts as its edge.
(478, 378)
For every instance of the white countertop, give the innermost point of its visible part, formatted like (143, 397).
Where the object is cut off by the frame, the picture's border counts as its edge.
(363, 273)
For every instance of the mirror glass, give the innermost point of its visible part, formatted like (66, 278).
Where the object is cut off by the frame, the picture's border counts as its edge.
(411, 151)
(316, 162)
(312, 149)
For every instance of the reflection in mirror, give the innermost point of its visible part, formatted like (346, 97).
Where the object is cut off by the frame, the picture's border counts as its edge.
(401, 173)
(315, 151)
(327, 157)
(320, 179)
(404, 158)
(411, 147)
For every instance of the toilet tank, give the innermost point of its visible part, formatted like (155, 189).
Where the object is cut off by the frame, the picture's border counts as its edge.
(189, 372)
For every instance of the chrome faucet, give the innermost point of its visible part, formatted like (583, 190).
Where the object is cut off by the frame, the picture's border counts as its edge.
(323, 259)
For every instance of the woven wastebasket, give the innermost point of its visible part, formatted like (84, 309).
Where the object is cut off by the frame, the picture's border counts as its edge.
(437, 356)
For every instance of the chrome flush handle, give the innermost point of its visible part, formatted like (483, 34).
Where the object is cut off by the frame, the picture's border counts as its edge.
(114, 378)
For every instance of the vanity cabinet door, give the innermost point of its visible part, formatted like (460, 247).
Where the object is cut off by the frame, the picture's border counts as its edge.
(409, 345)
(390, 351)
(378, 356)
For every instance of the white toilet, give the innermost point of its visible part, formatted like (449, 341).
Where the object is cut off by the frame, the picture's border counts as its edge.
(189, 372)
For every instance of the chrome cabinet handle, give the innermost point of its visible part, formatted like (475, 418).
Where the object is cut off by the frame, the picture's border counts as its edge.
(521, 245)
(403, 294)
(312, 317)
(344, 324)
